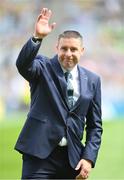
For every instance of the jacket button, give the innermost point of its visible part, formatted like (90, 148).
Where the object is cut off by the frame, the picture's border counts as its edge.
(70, 113)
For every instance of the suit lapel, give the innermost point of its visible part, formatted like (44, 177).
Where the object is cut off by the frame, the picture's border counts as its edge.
(83, 85)
(59, 77)
(83, 81)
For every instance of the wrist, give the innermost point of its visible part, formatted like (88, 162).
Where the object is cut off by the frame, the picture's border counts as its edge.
(36, 39)
(37, 35)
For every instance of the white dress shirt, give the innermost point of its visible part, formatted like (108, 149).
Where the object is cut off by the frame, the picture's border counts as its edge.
(76, 86)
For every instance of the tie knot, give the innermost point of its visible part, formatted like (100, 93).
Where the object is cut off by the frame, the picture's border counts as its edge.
(68, 75)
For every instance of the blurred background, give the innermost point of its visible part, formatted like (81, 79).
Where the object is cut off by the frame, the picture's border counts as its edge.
(101, 22)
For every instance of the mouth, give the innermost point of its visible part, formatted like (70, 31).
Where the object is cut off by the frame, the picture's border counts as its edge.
(68, 60)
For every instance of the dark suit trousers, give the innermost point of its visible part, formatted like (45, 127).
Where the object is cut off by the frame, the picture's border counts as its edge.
(55, 166)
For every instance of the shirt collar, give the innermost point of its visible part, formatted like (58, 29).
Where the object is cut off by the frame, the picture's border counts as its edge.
(74, 71)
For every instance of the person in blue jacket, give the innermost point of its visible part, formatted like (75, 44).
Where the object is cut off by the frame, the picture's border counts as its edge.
(65, 101)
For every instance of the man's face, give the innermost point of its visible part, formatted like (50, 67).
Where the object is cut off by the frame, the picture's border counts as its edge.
(69, 51)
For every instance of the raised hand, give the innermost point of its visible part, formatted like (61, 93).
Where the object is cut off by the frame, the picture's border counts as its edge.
(42, 26)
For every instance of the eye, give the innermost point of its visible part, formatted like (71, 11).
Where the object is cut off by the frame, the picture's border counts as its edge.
(64, 48)
(73, 49)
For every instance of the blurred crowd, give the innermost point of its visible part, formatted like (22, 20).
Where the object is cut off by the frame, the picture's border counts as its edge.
(100, 22)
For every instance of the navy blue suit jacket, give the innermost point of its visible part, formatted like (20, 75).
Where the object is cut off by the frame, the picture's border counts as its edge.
(50, 118)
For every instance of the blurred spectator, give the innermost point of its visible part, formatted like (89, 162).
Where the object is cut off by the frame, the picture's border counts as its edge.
(102, 24)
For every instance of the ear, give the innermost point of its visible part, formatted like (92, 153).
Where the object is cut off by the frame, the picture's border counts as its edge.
(82, 50)
(56, 47)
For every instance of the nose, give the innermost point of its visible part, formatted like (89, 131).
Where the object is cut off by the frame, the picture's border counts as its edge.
(68, 52)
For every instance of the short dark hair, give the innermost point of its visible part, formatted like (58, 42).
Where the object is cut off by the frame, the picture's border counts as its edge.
(70, 34)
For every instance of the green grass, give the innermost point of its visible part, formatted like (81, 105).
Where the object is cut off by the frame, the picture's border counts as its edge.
(109, 166)
(110, 163)
(10, 160)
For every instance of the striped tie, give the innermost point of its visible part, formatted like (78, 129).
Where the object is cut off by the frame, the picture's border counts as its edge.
(70, 89)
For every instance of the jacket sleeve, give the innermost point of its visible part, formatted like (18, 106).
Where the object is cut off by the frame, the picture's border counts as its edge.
(93, 126)
(27, 63)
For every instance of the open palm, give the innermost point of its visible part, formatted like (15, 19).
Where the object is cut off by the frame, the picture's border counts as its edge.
(42, 26)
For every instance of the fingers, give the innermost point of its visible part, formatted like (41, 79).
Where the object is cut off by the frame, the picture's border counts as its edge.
(42, 24)
(83, 175)
(53, 25)
(46, 12)
(78, 166)
(85, 168)
(80, 177)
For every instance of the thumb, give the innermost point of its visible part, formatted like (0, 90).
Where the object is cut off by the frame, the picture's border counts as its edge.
(53, 25)
(78, 166)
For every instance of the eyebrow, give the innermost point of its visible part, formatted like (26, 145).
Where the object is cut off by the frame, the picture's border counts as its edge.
(72, 47)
